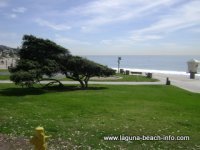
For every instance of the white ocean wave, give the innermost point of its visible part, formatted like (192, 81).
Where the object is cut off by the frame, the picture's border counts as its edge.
(157, 71)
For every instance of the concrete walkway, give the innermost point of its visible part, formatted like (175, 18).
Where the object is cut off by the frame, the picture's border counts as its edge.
(182, 81)
(97, 82)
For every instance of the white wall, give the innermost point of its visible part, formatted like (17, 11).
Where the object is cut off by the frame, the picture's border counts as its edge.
(6, 62)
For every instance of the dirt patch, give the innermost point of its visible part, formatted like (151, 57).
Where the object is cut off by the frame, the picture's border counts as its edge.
(14, 143)
(22, 143)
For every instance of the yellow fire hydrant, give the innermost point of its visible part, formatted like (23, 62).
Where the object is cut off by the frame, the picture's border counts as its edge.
(39, 139)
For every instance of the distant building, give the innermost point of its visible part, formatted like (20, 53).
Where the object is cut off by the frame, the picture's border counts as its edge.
(194, 66)
(5, 63)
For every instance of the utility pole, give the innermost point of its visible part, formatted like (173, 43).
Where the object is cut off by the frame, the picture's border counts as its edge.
(6, 64)
(119, 59)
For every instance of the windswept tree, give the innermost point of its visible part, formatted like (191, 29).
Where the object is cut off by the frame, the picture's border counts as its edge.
(81, 69)
(38, 58)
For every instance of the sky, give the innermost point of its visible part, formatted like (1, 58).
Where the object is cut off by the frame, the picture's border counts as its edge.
(105, 27)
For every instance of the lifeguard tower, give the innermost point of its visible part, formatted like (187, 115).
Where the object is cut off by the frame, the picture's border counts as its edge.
(193, 67)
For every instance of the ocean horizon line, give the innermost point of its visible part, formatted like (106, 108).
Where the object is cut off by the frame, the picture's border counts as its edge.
(141, 55)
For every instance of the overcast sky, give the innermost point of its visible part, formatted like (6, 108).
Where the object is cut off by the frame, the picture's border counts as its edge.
(106, 27)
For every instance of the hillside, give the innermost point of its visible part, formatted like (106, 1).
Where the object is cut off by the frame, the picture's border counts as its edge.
(6, 51)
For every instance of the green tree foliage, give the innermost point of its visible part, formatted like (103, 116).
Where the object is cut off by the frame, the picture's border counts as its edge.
(38, 57)
(81, 69)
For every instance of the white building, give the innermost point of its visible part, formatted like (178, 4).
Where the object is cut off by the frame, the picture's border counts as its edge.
(7, 62)
(193, 66)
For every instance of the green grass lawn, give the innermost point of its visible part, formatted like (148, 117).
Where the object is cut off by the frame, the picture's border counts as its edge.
(4, 77)
(84, 117)
(3, 70)
(123, 78)
(134, 78)
(4, 74)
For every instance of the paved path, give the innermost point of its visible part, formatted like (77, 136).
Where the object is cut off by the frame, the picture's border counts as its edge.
(182, 81)
(96, 82)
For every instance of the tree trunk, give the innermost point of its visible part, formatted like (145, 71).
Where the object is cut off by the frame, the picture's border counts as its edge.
(83, 86)
(86, 81)
(86, 84)
(82, 83)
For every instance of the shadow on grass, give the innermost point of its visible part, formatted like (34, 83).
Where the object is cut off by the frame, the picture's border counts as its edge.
(70, 88)
(39, 90)
(21, 91)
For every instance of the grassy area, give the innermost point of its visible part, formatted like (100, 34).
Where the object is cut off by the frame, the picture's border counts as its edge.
(121, 78)
(3, 70)
(4, 77)
(84, 117)
(133, 78)
(4, 74)
(125, 78)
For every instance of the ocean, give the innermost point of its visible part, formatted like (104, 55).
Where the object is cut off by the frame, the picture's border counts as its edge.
(146, 62)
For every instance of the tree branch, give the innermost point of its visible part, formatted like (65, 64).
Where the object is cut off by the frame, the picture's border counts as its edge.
(50, 83)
